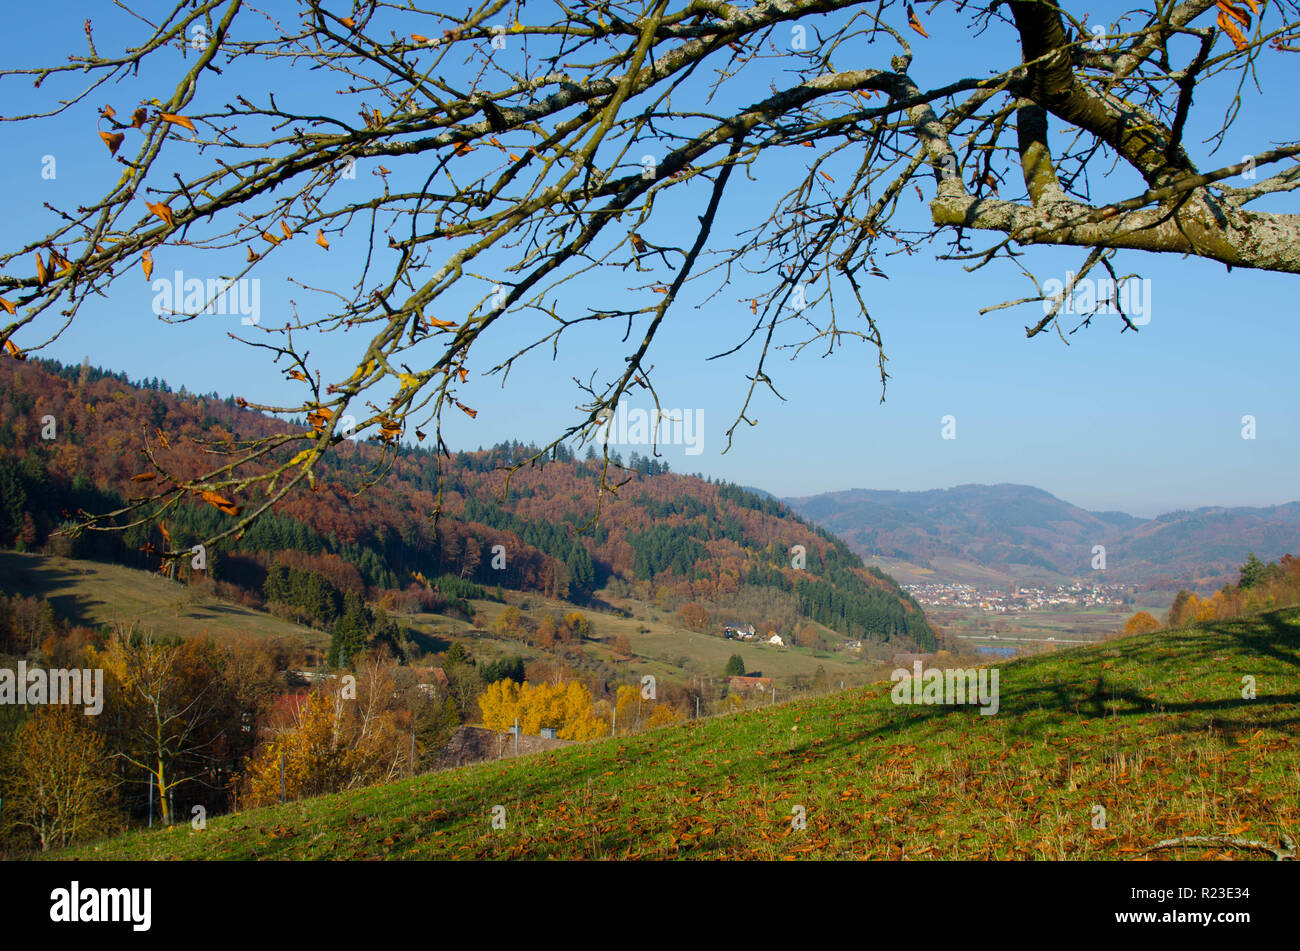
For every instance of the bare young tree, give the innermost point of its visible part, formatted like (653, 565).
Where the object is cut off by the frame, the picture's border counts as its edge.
(165, 701)
(520, 148)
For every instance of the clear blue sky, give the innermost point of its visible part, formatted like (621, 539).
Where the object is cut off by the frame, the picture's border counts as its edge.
(1145, 422)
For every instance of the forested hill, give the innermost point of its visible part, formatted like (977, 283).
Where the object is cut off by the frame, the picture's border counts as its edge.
(671, 538)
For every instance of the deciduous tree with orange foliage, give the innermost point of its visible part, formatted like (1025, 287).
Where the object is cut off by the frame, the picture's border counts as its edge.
(694, 616)
(1141, 623)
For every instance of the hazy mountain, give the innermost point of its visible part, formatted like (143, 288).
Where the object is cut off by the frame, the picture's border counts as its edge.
(1026, 530)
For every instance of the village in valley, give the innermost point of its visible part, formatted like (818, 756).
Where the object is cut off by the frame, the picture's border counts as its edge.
(1016, 599)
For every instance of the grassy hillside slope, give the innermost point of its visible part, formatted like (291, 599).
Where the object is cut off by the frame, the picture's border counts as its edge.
(661, 645)
(94, 593)
(1153, 728)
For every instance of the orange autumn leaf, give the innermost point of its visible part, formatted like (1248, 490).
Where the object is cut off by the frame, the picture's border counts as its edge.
(298, 375)
(7, 305)
(12, 349)
(162, 438)
(1234, 33)
(435, 322)
(463, 373)
(753, 306)
(178, 120)
(108, 112)
(162, 211)
(221, 502)
(146, 262)
(914, 23)
(320, 239)
(348, 22)
(270, 237)
(471, 413)
(285, 228)
(252, 256)
(113, 140)
(1228, 8)
(40, 269)
(827, 177)
(1230, 12)
(318, 418)
(464, 148)
(138, 117)
(167, 536)
(144, 477)
(419, 38)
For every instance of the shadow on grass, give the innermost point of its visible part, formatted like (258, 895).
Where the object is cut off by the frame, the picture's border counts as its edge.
(36, 576)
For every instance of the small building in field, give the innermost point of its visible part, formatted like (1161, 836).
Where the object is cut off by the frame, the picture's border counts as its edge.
(776, 639)
(749, 684)
(430, 679)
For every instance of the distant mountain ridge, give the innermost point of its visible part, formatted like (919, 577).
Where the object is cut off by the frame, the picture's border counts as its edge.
(1025, 529)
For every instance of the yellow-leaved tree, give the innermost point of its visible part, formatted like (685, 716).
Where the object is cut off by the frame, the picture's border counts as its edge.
(580, 719)
(568, 708)
(664, 715)
(499, 704)
(336, 742)
(627, 707)
(57, 776)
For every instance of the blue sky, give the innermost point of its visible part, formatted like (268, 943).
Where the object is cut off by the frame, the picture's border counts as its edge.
(1145, 422)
